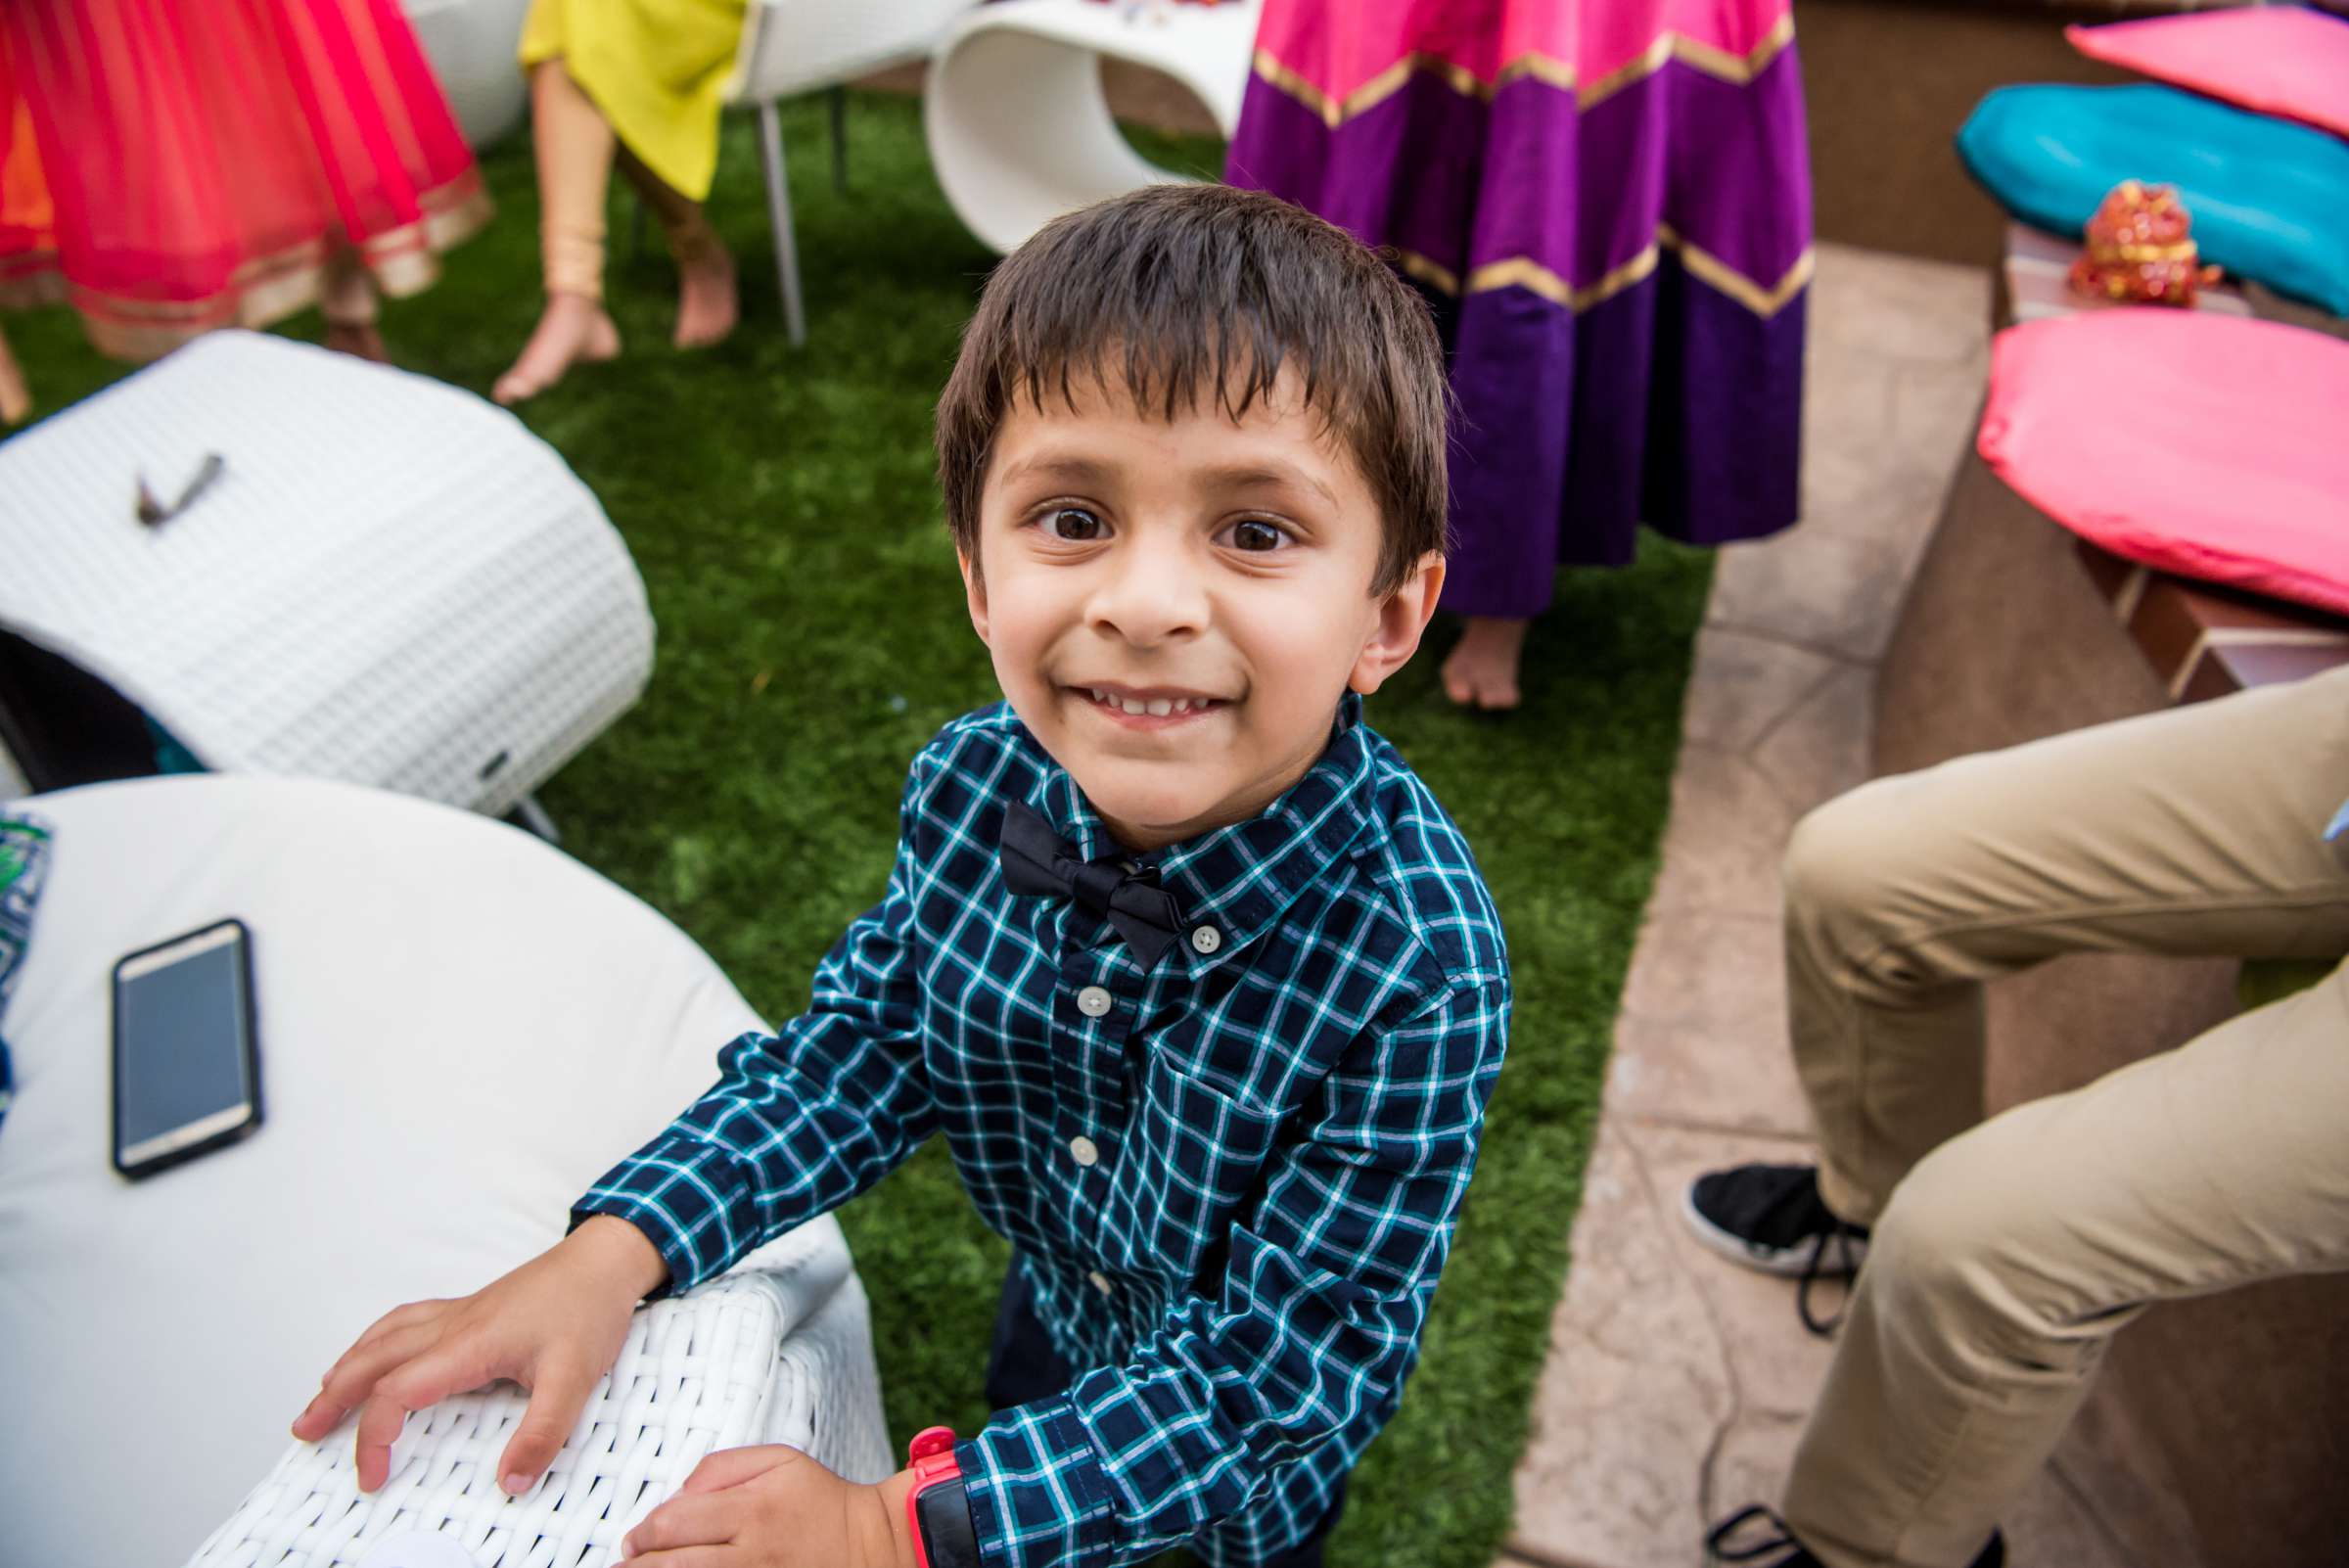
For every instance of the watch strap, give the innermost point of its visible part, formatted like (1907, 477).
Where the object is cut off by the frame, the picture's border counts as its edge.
(941, 1524)
(938, 1507)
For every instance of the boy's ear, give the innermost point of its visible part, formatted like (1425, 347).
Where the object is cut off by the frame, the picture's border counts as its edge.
(1403, 615)
(974, 588)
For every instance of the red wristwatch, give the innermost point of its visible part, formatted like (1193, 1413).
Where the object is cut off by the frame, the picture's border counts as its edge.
(944, 1535)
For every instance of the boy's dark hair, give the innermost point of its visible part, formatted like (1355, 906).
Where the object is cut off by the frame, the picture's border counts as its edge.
(1175, 291)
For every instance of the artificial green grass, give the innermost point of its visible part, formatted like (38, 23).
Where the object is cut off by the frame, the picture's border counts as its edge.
(813, 636)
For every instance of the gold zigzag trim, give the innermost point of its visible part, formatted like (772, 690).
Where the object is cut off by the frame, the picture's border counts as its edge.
(1735, 69)
(1438, 277)
(1647, 64)
(1736, 285)
(1335, 111)
(1524, 272)
(1541, 67)
(1707, 57)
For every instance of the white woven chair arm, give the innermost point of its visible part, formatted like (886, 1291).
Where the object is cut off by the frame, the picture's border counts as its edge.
(762, 1354)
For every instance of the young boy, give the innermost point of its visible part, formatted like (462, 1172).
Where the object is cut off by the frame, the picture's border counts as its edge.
(1199, 982)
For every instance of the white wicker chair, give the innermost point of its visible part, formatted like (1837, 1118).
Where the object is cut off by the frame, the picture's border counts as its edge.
(775, 1351)
(1018, 128)
(387, 580)
(796, 46)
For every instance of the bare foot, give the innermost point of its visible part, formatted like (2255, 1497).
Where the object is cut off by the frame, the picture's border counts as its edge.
(1482, 670)
(574, 329)
(358, 338)
(16, 399)
(708, 301)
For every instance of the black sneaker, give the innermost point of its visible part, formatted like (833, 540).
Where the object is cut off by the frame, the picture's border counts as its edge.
(1769, 1218)
(1772, 1536)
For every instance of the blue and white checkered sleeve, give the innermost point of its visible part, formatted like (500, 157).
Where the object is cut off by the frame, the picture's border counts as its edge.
(1316, 1326)
(800, 1121)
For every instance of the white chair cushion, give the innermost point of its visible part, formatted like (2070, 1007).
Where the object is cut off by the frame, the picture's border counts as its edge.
(460, 1030)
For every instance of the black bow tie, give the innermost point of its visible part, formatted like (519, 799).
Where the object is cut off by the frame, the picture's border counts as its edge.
(1040, 863)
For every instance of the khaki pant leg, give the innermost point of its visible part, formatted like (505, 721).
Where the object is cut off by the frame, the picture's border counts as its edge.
(2011, 1256)
(2196, 831)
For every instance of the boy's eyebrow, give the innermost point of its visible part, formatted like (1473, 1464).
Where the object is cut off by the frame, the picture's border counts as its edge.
(1269, 472)
(1087, 473)
(1079, 470)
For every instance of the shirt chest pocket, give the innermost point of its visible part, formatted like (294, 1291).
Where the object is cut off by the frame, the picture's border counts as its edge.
(1193, 1158)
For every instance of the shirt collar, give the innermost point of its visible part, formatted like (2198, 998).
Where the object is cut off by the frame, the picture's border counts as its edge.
(1239, 878)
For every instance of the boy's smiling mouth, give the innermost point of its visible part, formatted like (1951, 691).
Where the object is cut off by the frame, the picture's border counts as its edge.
(1148, 708)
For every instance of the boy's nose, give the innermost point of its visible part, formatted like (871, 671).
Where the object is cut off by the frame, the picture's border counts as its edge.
(1150, 593)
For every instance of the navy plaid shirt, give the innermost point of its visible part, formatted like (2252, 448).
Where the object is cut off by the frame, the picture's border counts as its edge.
(1232, 1177)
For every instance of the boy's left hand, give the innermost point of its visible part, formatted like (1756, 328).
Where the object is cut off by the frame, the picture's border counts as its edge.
(774, 1508)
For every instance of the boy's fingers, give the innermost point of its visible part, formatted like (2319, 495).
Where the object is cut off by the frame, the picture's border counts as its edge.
(731, 1467)
(703, 1519)
(420, 1384)
(356, 1375)
(318, 1418)
(398, 1317)
(363, 1348)
(380, 1421)
(558, 1393)
(689, 1557)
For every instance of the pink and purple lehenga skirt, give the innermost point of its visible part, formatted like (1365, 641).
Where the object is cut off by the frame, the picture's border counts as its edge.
(1609, 205)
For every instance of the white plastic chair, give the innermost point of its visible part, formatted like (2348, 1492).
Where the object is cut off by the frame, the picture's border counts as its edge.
(794, 46)
(471, 45)
(1018, 130)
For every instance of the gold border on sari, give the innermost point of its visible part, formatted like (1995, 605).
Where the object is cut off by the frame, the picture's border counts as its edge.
(265, 289)
(1335, 111)
(1414, 265)
(1524, 272)
(1711, 58)
(1736, 69)
(30, 281)
(1726, 279)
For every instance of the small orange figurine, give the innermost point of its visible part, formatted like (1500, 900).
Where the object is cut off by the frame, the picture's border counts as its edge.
(2140, 249)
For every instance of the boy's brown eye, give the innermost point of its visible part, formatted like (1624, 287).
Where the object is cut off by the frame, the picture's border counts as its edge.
(1255, 536)
(1072, 522)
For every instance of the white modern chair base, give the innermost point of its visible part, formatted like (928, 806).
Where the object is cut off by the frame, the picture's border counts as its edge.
(1018, 128)
(794, 46)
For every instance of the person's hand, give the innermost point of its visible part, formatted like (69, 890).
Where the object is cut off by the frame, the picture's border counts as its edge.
(554, 1325)
(774, 1508)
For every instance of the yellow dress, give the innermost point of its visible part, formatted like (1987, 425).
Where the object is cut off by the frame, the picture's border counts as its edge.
(657, 68)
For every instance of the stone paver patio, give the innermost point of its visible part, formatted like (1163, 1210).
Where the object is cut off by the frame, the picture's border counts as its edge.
(1676, 1384)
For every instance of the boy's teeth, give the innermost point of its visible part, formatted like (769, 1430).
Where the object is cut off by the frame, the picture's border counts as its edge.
(1156, 707)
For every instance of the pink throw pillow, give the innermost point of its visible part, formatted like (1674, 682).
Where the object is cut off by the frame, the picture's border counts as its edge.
(2206, 445)
(2278, 60)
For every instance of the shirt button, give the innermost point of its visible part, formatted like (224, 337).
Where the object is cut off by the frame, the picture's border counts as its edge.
(1100, 1281)
(1206, 939)
(1093, 1001)
(1085, 1151)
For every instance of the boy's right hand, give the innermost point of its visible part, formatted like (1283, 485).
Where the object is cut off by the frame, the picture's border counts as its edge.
(554, 1325)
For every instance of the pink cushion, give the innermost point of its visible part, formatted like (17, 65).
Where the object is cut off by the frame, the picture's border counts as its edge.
(2280, 60)
(2202, 445)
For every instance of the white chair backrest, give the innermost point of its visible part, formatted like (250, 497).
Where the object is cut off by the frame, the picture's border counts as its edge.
(794, 46)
